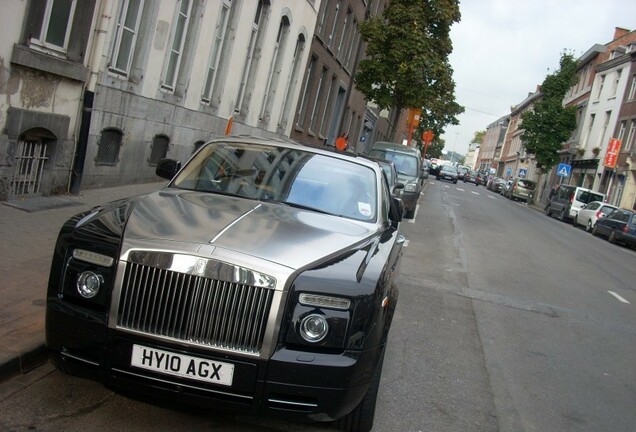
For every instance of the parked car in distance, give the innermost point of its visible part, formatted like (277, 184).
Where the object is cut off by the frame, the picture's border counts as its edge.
(462, 171)
(569, 200)
(506, 186)
(262, 279)
(619, 227)
(521, 189)
(591, 212)
(470, 177)
(408, 161)
(497, 185)
(391, 174)
(448, 172)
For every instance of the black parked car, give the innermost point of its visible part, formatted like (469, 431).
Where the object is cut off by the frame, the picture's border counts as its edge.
(261, 278)
(619, 227)
(448, 172)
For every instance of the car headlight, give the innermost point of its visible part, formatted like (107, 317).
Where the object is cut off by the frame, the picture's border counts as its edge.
(89, 283)
(314, 328)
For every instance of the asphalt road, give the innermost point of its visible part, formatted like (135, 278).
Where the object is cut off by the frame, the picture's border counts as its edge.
(506, 321)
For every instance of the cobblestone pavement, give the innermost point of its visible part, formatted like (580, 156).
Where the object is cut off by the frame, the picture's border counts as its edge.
(28, 231)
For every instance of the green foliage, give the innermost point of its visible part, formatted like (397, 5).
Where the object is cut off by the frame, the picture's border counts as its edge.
(406, 62)
(550, 124)
(434, 149)
(479, 137)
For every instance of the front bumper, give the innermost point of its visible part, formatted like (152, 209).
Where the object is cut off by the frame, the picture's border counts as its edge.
(298, 385)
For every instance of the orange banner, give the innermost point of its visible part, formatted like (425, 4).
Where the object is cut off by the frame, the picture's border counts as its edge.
(611, 156)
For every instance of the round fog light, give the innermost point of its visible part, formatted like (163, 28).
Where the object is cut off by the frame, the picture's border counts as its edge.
(88, 284)
(314, 328)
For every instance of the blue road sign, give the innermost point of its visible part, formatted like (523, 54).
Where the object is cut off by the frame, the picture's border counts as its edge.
(523, 172)
(563, 170)
(508, 172)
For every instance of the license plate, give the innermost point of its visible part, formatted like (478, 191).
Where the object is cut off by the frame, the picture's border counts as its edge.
(184, 366)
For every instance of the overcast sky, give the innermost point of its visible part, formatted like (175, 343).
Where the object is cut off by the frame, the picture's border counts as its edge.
(503, 49)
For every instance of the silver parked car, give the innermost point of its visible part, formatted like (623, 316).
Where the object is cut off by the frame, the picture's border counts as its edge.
(591, 212)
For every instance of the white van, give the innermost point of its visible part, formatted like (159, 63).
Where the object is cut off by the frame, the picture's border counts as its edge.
(569, 199)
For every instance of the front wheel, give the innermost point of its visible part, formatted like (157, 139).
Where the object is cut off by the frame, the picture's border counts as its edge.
(612, 237)
(361, 418)
(563, 217)
(588, 228)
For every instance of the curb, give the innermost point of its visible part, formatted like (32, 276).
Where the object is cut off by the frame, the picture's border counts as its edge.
(24, 362)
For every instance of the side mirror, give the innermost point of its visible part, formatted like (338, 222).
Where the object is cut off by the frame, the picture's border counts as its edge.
(397, 211)
(167, 168)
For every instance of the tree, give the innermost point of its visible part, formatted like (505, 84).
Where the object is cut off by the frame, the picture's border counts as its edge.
(550, 124)
(434, 149)
(479, 137)
(406, 64)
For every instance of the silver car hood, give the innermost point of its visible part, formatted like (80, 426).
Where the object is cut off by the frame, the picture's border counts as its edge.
(277, 233)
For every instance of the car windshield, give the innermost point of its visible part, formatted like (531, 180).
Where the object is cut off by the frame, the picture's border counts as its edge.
(287, 176)
(526, 184)
(406, 164)
(586, 196)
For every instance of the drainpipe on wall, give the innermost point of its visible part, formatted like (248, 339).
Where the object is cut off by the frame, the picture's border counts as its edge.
(97, 46)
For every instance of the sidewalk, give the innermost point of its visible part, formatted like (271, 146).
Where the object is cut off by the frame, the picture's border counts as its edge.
(28, 231)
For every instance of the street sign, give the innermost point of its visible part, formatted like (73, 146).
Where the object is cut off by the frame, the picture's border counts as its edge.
(508, 172)
(563, 170)
(523, 172)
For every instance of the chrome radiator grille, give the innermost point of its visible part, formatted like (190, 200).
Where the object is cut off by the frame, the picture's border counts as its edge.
(193, 308)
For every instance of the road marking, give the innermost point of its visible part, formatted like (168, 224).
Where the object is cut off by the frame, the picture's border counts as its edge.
(476, 193)
(406, 243)
(417, 208)
(620, 299)
(492, 196)
(460, 189)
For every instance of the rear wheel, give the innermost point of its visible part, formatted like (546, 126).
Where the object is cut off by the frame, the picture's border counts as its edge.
(361, 418)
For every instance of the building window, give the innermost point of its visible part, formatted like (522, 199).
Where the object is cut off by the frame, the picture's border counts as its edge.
(274, 70)
(621, 130)
(126, 36)
(158, 149)
(344, 36)
(334, 27)
(108, 147)
(215, 53)
(293, 81)
(618, 78)
(313, 119)
(327, 107)
(601, 83)
(353, 42)
(630, 136)
(601, 137)
(251, 49)
(56, 25)
(302, 106)
(632, 89)
(180, 28)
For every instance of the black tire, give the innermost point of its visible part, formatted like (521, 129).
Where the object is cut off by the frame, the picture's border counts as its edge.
(361, 418)
(562, 216)
(589, 227)
(409, 214)
(612, 237)
(594, 230)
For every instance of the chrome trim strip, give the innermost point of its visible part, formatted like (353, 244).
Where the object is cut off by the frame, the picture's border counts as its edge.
(237, 220)
(304, 404)
(125, 372)
(206, 267)
(83, 360)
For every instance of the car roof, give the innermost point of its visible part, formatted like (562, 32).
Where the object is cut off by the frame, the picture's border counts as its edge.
(383, 145)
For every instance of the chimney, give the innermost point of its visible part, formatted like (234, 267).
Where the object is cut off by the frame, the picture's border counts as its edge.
(619, 32)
